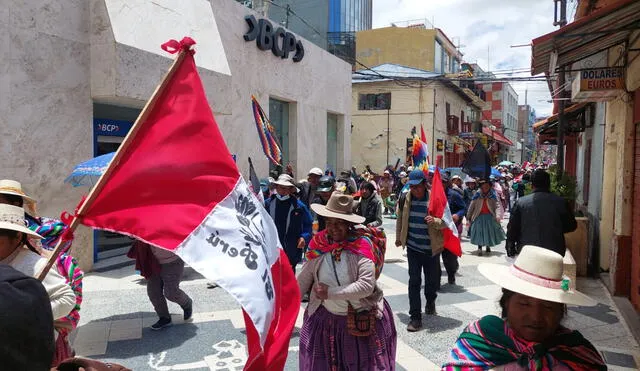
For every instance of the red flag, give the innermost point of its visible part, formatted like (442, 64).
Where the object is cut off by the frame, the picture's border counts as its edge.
(439, 208)
(174, 184)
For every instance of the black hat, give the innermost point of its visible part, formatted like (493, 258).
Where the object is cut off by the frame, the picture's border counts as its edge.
(26, 322)
(326, 184)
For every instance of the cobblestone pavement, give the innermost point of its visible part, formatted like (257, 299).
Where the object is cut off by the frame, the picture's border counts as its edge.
(116, 316)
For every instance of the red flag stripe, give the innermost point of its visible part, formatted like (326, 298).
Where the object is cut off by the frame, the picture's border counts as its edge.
(274, 354)
(439, 208)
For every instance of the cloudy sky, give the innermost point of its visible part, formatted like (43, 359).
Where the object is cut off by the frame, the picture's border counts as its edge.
(486, 29)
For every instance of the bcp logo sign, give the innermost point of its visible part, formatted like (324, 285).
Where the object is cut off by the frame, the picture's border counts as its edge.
(278, 40)
(114, 128)
(108, 128)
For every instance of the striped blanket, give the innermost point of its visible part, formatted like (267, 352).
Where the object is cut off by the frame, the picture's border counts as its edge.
(490, 342)
(51, 231)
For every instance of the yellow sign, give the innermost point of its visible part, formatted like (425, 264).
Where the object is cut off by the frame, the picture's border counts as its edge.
(598, 84)
(602, 79)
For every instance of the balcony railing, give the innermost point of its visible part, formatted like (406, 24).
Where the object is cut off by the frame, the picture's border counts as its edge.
(470, 84)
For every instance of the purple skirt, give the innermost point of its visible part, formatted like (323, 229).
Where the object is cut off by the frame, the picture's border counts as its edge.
(326, 345)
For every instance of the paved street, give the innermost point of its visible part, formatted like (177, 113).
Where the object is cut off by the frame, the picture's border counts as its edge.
(116, 316)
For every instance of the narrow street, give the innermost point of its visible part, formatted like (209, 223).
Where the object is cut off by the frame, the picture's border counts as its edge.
(116, 316)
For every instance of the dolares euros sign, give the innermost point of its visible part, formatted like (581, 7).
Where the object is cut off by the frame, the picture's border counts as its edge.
(598, 84)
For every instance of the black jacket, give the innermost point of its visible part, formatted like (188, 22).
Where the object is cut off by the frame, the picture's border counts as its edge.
(540, 219)
(307, 193)
(372, 212)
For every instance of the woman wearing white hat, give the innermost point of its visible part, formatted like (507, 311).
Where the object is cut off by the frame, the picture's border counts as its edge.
(50, 232)
(16, 251)
(529, 334)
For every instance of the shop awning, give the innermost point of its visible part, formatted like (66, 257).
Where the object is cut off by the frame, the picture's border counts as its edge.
(598, 31)
(552, 120)
(498, 137)
(502, 139)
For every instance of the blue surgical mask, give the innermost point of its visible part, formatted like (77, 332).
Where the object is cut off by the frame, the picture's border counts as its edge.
(282, 198)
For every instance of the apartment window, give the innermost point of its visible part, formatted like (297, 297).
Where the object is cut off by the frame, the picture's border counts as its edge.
(279, 116)
(447, 62)
(380, 101)
(437, 63)
(453, 125)
(332, 141)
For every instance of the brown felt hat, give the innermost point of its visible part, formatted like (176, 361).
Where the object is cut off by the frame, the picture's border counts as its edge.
(340, 206)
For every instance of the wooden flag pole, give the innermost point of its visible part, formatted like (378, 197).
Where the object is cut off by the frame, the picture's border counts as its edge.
(95, 191)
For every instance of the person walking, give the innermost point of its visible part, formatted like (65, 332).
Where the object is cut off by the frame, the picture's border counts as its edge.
(471, 187)
(422, 235)
(309, 188)
(347, 324)
(292, 219)
(385, 184)
(164, 285)
(370, 206)
(541, 218)
(17, 251)
(51, 230)
(485, 219)
(458, 209)
(323, 193)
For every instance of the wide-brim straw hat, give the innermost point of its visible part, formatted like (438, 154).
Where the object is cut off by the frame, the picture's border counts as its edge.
(12, 187)
(12, 218)
(538, 273)
(339, 206)
(286, 180)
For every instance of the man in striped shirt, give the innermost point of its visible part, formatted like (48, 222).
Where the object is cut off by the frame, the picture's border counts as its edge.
(422, 235)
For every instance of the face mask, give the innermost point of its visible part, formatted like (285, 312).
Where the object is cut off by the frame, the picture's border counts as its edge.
(282, 198)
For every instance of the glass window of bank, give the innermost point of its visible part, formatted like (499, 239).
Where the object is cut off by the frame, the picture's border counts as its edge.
(332, 142)
(110, 126)
(279, 117)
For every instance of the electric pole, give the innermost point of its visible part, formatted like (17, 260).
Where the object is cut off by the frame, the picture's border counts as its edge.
(560, 21)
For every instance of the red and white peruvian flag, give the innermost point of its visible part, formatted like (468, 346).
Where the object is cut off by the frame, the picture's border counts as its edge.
(439, 208)
(174, 184)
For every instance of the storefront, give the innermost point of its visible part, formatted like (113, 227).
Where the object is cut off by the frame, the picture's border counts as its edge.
(85, 73)
(611, 32)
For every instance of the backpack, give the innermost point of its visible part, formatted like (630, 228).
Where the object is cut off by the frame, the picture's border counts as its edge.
(378, 240)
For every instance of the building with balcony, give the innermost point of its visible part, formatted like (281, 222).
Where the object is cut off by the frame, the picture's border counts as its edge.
(526, 137)
(388, 110)
(500, 114)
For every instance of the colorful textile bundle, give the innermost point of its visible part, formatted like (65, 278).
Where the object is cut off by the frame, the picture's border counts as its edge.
(267, 134)
(420, 155)
(52, 230)
(490, 342)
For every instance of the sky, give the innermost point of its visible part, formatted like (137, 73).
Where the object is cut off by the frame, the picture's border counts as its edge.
(486, 30)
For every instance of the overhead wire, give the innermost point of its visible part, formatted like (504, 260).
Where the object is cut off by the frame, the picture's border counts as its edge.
(407, 81)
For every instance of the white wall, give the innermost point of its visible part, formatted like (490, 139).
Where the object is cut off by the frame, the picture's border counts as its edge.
(60, 57)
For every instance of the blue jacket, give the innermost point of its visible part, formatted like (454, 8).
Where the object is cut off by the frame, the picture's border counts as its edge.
(299, 225)
(456, 203)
